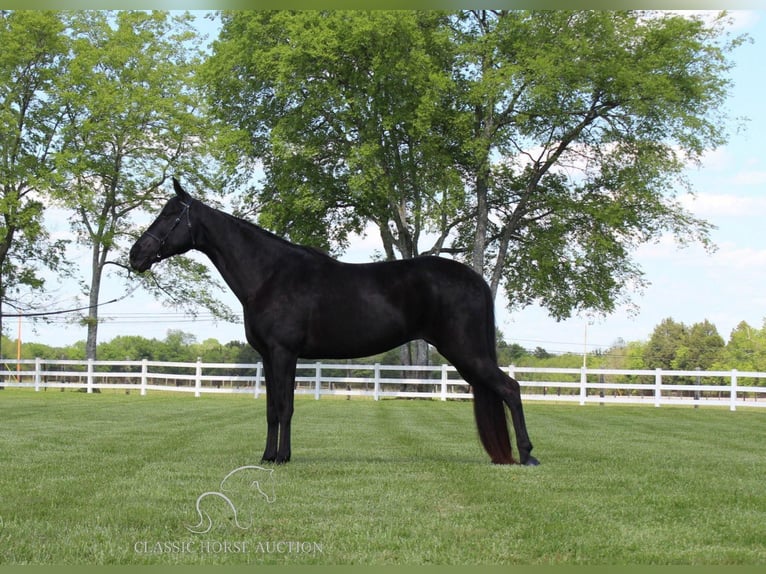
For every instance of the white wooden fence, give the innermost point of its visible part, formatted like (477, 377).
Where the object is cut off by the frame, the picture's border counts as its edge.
(583, 386)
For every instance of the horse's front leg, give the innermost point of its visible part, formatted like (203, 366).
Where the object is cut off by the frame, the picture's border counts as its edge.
(272, 418)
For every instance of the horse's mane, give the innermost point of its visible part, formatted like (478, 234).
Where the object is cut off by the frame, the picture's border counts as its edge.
(250, 227)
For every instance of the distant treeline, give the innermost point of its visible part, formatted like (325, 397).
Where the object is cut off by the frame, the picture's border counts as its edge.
(672, 345)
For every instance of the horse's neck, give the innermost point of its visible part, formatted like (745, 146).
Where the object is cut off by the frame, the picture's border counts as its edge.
(242, 253)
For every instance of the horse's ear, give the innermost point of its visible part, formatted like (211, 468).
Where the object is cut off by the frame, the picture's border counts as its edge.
(180, 191)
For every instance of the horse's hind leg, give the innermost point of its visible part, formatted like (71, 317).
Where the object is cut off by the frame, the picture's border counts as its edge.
(511, 393)
(484, 372)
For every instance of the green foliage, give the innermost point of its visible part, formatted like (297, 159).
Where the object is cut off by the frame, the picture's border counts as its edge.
(540, 147)
(508, 354)
(128, 347)
(673, 345)
(30, 61)
(625, 356)
(133, 115)
(595, 130)
(99, 108)
(663, 344)
(344, 109)
(704, 348)
(177, 346)
(746, 349)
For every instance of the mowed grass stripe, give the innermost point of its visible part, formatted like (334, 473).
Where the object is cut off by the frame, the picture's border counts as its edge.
(85, 478)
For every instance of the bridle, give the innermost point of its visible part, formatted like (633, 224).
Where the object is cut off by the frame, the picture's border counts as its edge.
(161, 241)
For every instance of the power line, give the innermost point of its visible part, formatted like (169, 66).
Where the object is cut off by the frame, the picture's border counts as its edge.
(60, 311)
(65, 311)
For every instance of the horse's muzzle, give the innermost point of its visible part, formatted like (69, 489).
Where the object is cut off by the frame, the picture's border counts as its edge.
(140, 259)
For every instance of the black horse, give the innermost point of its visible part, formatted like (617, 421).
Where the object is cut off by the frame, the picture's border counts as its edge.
(299, 302)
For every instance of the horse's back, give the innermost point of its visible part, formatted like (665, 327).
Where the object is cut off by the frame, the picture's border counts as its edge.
(428, 297)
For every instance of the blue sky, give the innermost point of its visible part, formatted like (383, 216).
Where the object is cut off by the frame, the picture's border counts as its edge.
(688, 284)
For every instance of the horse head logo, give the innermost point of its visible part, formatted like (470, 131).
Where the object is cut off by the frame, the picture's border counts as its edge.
(236, 489)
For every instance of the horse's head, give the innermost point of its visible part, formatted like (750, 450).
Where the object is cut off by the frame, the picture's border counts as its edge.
(170, 234)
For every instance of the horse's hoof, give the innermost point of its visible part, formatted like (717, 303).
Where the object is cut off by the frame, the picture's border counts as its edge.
(531, 461)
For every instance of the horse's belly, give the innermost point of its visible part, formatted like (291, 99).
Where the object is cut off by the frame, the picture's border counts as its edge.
(355, 332)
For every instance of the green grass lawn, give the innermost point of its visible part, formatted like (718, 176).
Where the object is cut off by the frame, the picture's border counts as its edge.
(113, 479)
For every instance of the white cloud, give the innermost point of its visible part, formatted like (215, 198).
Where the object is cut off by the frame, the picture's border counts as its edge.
(737, 19)
(740, 258)
(753, 177)
(713, 205)
(716, 159)
(743, 19)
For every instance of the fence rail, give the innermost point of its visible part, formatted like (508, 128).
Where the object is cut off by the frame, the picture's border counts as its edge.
(658, 387)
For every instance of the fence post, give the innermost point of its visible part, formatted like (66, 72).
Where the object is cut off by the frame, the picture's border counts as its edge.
(258, 375)
(444, 382)
(698, 382)
(376, 387)
(601, 381)
(144, 377)
(317, 380)
(583, 383)
(89, 379)
(733, 399)
(38, 374)
(198, 378)
(657, 387)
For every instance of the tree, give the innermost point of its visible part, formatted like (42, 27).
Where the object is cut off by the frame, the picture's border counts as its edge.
(31, 59)
(343, 109)
(746, 349)
(702, 349)
(128, 347)
(634, 355)
(541, 353)
(594, 116)
(508, 354)
(132, 116)
(547, 145)
(666, 339)
(675, 346)
(177, 346)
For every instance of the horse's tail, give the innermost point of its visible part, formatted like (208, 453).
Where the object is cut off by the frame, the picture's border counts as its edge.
(488, 406)
(491, 421)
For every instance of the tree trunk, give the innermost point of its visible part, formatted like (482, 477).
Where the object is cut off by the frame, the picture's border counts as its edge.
(414, 353)
(91, 321)
(482, 215)
(4, 247)
(98, 260)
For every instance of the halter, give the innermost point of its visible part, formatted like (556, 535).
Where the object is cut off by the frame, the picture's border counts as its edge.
(161, 241)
